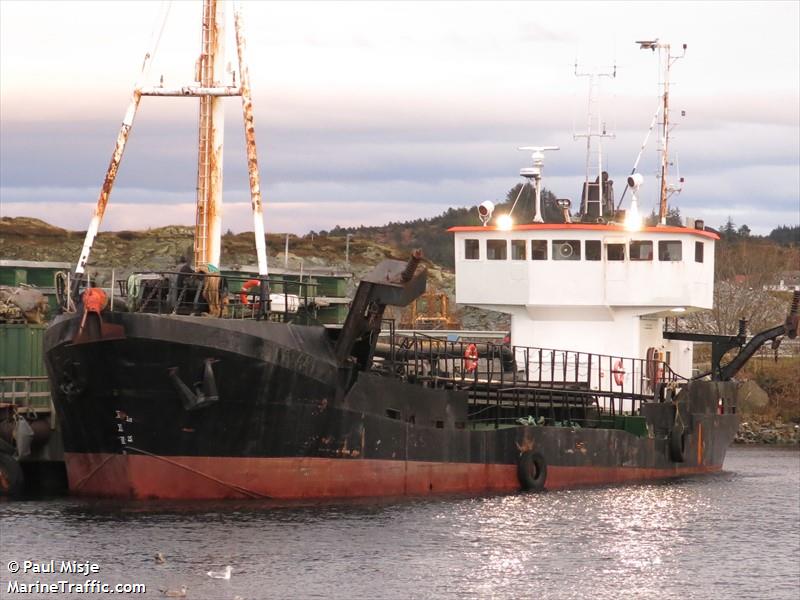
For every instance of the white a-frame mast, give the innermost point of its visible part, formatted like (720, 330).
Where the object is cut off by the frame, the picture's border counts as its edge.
(210, 90)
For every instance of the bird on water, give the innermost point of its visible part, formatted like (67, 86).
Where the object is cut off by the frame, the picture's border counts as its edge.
(226, 574)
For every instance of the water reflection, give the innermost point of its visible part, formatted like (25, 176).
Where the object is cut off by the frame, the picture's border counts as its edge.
(684, 539)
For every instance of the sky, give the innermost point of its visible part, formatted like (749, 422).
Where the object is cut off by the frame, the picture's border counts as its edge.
(367, 113)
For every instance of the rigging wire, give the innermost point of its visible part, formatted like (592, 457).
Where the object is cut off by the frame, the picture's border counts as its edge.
(641, 151)
(518, 196)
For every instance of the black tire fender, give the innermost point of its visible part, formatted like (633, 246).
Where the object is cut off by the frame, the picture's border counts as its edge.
(532, 471)
(12, 480)
(677, 444)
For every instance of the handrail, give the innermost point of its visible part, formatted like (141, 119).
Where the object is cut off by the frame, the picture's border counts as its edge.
(14, 388)
(192, 293)
(509, 382)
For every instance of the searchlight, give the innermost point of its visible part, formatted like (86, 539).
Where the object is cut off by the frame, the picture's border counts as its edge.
(633, 220)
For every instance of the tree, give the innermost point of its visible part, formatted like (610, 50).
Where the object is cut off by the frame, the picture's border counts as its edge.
(673, 217)
(743, 231)
(786, 235)
(743, 268)
(728, 231)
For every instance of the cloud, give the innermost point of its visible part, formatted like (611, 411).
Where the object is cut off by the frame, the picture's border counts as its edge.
(422, 112)
(284, 217)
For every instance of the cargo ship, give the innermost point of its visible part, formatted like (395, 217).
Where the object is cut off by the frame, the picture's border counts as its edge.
(190, 384)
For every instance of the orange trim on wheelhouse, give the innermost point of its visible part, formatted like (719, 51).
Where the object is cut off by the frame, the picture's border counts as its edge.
(585, 227)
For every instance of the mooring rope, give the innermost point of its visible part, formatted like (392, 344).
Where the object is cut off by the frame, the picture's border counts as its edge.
(95, 470)
(232, 486)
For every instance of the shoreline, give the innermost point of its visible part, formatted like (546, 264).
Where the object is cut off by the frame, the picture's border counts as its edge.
(767, 433)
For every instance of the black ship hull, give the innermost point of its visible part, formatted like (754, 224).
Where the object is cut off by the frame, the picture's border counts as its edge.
(184, 407)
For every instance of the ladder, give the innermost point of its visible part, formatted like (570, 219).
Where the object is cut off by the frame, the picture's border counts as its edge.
(594, 156)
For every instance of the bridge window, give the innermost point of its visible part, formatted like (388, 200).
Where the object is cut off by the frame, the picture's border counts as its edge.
(518, 249)
(496, 249)
(615, 252)
(642, 250)
(698, 251)
(539, 249)
(671, 251)
(594, 250)
(566, 249)
(472, 249)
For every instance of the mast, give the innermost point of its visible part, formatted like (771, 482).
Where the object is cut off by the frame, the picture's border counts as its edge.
(667, 59)
(592, 115)
(208, 220)
(662, 202)
(211, 90)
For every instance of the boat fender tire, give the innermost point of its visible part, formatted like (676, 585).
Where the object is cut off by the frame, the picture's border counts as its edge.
(532, 471)
(677, 444)
(12, 480)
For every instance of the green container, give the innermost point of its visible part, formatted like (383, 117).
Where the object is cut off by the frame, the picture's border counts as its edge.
(42, 277)
(332, 287)
(12, 276)
(636, 426)
(37, 274)
(22, 350)
(332, 315)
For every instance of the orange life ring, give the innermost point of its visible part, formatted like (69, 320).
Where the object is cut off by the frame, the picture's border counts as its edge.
(244, 294)
(471, 358)
(619, 372)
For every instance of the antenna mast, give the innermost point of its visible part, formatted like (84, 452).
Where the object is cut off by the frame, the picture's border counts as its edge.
(591, 117)
(667, 59)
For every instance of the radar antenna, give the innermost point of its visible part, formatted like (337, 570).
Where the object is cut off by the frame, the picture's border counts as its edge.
(535, 172)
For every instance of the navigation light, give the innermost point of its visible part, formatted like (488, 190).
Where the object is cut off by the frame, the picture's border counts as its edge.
(505, 223)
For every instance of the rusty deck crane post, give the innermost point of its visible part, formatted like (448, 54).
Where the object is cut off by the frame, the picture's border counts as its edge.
(250, 140)
(119, 148)
(211, 90)
(211, 134)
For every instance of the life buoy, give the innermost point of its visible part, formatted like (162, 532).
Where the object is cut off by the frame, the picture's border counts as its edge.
(531, 471)
(471, 358)
(619, 372)
(244, 295)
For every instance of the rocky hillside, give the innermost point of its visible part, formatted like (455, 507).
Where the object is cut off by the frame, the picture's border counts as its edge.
(23, 238)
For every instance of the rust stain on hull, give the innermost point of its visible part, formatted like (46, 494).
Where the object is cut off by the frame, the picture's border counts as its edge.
(181, 477)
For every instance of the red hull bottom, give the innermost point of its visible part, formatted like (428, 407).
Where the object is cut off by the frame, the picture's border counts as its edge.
(183, 477)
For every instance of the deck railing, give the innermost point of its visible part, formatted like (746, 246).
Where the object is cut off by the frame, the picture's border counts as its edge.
(508, 383)
(26, 391)
(225, 296)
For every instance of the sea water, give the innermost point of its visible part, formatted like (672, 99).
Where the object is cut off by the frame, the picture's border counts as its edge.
(735, 534)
